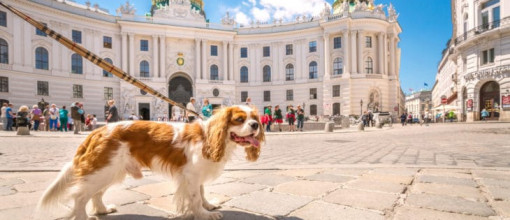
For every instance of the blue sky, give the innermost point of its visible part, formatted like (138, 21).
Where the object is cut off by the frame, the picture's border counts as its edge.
(426, 27)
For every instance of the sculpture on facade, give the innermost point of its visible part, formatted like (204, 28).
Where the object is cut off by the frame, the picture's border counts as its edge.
(392, 13)
(326, 11)
(373, 103)
(227, 20)
(126, 9)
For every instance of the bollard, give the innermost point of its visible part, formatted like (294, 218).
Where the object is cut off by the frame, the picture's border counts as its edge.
(329, 127)
(23, 130)
(361, 126)
(345, 123)
(379, 124)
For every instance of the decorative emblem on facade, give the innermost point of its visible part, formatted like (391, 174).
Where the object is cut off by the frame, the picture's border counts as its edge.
(180, 60)
(495, 72)
(216, 92)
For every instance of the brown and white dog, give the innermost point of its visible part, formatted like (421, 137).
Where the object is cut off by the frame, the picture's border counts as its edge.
(192, 154)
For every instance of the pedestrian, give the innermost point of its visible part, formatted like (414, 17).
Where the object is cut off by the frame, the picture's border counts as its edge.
(54, 112)
(63, 118)
(248, 101)
(94, 121)
(133, 117)
(88, 122)
(370, 119)
(4, 115)
(300, 118)
(451, 115)
(22, 117)
(113, 113)
(278, 117)
(426, 118)
(10, 117)
(191, 108)
(410, 118)
(291, 118)
(70, 123)
(207, 109)
(76, 113)
(485, 114)
(269, 118)
(403, 119)
(46, 115)
(364, 118)
(36, 115)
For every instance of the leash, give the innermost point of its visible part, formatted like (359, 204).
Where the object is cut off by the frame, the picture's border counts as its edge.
(95, 59)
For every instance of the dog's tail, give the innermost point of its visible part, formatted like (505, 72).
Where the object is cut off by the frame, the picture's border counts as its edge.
(57, 189)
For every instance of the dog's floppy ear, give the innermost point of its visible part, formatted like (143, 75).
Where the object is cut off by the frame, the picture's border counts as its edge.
(214, 146)
(253, 153)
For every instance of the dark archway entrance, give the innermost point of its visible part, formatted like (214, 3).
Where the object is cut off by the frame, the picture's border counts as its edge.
(145, 111)
(180, 90)
(336, 108)
(489, 99)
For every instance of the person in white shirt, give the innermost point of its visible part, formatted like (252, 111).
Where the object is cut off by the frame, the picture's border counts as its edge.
(191, 106)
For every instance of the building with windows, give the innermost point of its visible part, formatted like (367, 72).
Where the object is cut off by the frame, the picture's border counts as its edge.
(418, 103)
(474, 73)
(344, 61)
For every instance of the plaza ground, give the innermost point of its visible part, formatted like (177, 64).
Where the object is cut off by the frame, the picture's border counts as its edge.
(443, 171)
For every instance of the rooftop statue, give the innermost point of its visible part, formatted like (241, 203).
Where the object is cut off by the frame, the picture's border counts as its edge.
(126, 9)
(392, 13)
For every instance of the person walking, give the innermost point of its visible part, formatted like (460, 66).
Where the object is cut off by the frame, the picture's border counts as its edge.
(300, 118)
(94, 122)
(76, 113)
(451, 115)
(426, 118)
(63, 118)
(4, 115)
(364, 118)
(191, 107)
(113, 113)
(278, 117)
(403, 119)
(207, 109)
(46, 116)
(485, 114)
(269, 115)
(36, 115)
(10, 117)
(291, 118)
(410, 118)
(54, 112)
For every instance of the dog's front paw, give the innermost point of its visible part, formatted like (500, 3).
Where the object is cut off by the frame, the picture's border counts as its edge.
(210, 206)
(209, 216)
(92, 218)
(111, 209)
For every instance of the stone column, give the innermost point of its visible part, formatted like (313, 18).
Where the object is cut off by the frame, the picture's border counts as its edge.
(124, 52)
(231, 60)
(162, 55)
(204, 60)
(224, 69)
(299, 62)
(354, 56)
(197, 59)
(131, 61)
(327, 61)
(380, 55)
(360, 53)
(392, 55)
(303, 52)
(386, 52)
(275, 73)
(155, 57)
(346, 59)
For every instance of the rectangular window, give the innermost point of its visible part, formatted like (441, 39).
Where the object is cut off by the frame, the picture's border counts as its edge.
(313, 93)
(144, 45)
(336, 91)
(485, 20)
(42, 88)
(495, 17)
(489, 3)
(214, 50)
(107, 42)
(288, 49)
(368, 42)
(108, 93)
(290, 95)
(267, 51)
(39, 32)
(3, 18)
(76, 36)
(312, 46)
(488, 56)
(267, 96)
(77, 91)
(244, 96)
(244, 52)
(4, 84)
(337, 42)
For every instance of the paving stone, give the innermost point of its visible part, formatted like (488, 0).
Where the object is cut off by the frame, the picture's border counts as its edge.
(495, 182)
(123, 196)
(306, 188)
(11, 182)
(502, 207)
(19, 200)
(449, 204)
(406, 213)
(490, 174)
(156, 189)
(269, 203)
(299, 172)
(380, 186)
(268, 179)
(409, 172)
(234, 189)
(4, 191)
(240, 174)
(32, 186)
(447, 172)
(32, 177)
(329, 178)
(446, 180)
(130, 182)
(499, 193)
(362, 199)
(222, 180)
(328, 211)
(167, 203)
(136, 211)
(376, 177)
(346, 172)
(466, 192)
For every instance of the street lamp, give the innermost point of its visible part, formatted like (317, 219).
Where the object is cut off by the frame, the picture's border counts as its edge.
(361, 107)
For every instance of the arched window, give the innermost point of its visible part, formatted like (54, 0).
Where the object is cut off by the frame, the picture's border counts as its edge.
(369, 65)
(244, 74)
(313, 70)
(41, 58)
(267, 73)
(144, 69)
(106, 73)
(289, 72)
(313, 109)
(338, 66)
(4, 51)
(76, 64)
(214, 73)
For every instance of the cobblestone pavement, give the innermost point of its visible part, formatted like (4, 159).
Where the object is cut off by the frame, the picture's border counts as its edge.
(451, 171)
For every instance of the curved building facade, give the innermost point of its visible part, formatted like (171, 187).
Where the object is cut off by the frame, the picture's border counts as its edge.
(341, 62)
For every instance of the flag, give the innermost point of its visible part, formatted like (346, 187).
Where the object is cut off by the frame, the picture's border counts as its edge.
(425, 84)
(410, 89)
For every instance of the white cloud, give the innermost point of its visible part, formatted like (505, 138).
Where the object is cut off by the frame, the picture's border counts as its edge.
(242, 18)
(262, 15)
(253, 2)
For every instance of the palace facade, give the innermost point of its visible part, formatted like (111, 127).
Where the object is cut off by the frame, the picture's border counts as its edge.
(342, 62)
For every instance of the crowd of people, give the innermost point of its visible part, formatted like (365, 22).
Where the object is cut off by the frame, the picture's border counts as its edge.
(407, 118)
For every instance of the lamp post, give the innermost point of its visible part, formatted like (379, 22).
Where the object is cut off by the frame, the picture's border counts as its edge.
(361, 107)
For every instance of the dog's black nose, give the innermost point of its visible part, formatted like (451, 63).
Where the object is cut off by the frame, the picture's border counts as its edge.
(254, 125)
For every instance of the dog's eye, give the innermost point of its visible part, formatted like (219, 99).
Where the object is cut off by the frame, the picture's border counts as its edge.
(240, 119)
